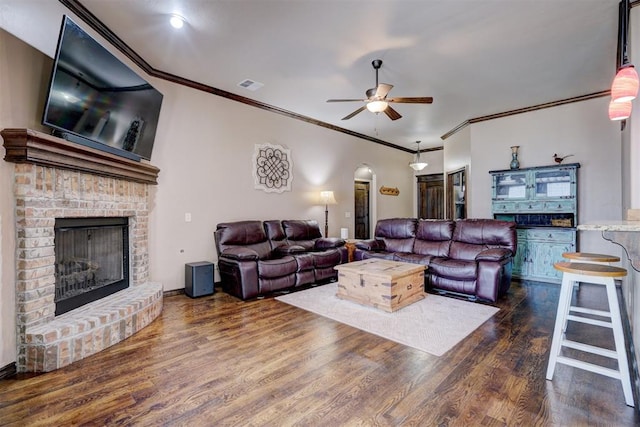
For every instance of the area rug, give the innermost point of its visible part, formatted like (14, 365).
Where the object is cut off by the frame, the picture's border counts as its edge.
(434, 324)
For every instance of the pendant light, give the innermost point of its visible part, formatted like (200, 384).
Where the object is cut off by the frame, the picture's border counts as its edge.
(417, 164)
(625, 85)
(619, 110)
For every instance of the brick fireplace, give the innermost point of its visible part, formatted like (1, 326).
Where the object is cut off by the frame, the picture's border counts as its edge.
(56, 179)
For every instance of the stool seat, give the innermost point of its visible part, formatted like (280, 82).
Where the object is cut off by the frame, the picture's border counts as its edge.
(587, 269)
(590, 257)
(598, 274)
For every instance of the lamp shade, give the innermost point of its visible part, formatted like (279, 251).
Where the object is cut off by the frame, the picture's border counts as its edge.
(417, 164)
(377, 106)
(176, 21)
(327, 198)
(619, 110)
(625, 84)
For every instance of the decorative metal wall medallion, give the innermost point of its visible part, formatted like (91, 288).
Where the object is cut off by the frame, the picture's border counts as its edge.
(272, 168)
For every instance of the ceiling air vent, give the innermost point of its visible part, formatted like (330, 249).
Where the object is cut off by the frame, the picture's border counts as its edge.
(250, 84)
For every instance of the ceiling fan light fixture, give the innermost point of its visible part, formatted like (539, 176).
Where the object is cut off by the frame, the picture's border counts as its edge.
(417, 164)
(176, 21)
(619, 110)
(377, 106)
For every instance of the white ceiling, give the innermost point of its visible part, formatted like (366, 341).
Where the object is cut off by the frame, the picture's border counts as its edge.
(474, 57)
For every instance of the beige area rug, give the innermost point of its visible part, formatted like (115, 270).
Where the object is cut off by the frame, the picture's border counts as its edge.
(434, 324)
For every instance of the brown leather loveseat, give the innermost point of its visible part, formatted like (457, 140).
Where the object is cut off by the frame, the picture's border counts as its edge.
(256, 258)
(470, 257)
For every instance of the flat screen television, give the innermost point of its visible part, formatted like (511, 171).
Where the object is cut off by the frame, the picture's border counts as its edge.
(96, 100)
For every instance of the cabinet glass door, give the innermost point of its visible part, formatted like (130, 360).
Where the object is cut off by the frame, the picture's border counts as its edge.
(510, 186)
(553, 184)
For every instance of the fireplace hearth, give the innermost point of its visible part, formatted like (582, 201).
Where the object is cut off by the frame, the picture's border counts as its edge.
(91, 260)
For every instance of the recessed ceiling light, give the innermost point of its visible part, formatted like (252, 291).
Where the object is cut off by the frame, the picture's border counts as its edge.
(176, 21)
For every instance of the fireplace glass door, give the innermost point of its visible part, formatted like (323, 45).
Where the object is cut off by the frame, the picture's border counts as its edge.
(92, 260)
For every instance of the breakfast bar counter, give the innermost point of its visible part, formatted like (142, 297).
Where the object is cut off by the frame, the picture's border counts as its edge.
(622, 233)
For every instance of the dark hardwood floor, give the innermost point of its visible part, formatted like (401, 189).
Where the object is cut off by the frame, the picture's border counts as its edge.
(218, 361)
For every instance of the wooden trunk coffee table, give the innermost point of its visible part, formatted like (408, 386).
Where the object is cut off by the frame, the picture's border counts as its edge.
(380, 283)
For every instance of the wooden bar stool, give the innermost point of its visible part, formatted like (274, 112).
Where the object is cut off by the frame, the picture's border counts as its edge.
(605, 275)
(590, 257)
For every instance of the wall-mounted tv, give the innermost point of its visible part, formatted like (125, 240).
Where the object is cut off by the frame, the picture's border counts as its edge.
(96, 100)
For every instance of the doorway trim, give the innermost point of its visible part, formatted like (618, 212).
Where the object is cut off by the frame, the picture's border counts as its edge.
(373, 199)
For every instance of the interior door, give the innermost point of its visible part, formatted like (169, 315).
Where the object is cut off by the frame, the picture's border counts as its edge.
(457, 194)
(431, 196)
(361, 209)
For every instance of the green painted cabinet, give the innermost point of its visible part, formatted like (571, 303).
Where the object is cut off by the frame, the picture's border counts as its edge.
(543, 202)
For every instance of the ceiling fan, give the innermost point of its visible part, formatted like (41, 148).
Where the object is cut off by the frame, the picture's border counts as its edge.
(377, 101)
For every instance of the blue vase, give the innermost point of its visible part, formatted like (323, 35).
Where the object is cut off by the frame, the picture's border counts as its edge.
(515, 164)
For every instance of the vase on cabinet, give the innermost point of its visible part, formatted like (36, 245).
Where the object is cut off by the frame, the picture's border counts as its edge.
(515, 164)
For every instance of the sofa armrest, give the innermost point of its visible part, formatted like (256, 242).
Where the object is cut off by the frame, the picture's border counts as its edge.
(328, 243)
(494, 254)
(284, 250)
(371, 245)
(240, 254)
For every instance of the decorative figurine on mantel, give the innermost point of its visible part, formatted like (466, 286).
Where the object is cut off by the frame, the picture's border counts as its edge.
(515, 164)
(559, 159)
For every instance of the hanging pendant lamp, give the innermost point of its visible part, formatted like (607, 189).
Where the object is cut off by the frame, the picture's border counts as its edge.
(625, 84)
(619, 110)
(417, 164)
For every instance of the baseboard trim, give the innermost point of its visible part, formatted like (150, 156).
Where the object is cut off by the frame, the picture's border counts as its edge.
(173, 292)
(8, 370)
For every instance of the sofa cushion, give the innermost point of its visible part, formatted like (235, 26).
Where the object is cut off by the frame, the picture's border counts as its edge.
(328, 258)
(487, 232)
(248, 234)
(465, 251)
(288, 250)
(437, 230)
(275, 233)
(328, 243)
(379, 254)
(370, 245)
(398, 234)
(302, 232)
(240, 253)
(305, 261)
(412, 258)
(453, 268)
(274, 268)
(494, 254)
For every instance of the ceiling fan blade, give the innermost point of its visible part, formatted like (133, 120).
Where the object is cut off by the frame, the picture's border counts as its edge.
(359, 110)
(382, 90)
(346, 100)
(412, 100)
(393, 114)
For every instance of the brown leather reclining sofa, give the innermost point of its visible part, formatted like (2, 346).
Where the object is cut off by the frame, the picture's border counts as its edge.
(471, 257)
(256, 258)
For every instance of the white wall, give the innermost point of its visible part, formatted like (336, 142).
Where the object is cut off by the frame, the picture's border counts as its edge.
(582, 129)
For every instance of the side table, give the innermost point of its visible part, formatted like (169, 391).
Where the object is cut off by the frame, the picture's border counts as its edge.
(350, 244)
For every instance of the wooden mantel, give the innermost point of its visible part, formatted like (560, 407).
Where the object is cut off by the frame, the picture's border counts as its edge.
(29, 146)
